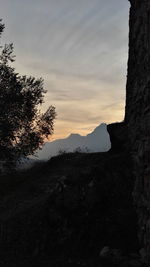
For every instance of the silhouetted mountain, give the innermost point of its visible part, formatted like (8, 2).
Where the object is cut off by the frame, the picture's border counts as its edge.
(96, 141)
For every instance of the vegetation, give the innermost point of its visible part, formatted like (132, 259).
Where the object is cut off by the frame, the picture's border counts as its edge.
(23, 128)
(65, 212)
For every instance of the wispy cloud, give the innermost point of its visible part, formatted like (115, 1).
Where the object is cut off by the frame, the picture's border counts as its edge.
(80, 49)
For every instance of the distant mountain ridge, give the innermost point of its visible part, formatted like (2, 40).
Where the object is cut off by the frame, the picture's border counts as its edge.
(96, 141)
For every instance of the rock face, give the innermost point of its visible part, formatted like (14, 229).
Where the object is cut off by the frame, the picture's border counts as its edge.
(134, 133)
(118, 136)
(137, 115)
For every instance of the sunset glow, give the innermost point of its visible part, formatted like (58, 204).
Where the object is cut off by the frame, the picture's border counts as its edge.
(80, 49)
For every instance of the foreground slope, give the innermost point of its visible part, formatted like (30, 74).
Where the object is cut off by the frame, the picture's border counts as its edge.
(63, 212)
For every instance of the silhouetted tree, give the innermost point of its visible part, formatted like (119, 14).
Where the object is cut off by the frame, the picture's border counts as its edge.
(23, 128)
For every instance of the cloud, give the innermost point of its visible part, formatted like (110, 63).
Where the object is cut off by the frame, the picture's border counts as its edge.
(80, 49)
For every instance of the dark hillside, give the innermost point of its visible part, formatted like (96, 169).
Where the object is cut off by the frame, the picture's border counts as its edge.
(65, 211)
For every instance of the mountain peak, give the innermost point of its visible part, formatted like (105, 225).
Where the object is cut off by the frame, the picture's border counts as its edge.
(74, 135)
(100, 128)
(98, 140)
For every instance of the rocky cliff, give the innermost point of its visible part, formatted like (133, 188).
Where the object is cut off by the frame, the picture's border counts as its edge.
(137, 116)
(137, 113)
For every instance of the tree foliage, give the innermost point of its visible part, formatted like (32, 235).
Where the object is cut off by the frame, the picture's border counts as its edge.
(23, 128)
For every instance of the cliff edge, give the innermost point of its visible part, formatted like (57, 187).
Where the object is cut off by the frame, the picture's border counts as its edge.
(137, 116)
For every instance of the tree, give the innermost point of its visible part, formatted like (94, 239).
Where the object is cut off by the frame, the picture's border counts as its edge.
(23, 128)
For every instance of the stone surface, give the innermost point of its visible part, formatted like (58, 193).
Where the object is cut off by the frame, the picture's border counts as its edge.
(118, 136)
(137, 114)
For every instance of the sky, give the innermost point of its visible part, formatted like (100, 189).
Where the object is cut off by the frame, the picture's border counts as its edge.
(79, 48)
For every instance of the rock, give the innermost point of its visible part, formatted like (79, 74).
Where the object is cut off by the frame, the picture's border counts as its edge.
(134, 133)
(142, 254)
(91, 184)
(118, 136)
(116, 254)
(105, 252)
